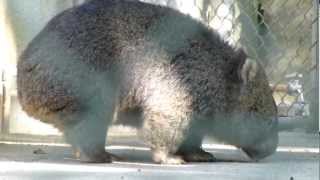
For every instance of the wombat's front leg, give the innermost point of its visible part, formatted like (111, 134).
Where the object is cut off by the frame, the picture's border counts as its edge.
(164, 137)
(191, 150)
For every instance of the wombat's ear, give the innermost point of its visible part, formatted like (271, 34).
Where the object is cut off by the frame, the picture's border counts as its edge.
(242, 67)
(248, 70)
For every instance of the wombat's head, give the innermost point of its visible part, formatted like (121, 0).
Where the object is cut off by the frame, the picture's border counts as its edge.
(253, 107)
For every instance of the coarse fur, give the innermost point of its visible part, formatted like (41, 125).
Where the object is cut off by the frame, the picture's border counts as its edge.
(127, 62)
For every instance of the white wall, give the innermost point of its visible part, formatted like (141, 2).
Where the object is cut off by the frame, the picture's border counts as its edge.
(20, 21)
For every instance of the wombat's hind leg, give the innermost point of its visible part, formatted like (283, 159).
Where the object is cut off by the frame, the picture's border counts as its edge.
(84, 158)
(88, 137)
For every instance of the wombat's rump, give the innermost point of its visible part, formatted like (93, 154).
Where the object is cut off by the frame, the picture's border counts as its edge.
(150, 67)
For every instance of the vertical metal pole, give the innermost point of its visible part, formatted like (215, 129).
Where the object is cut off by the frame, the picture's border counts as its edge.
(316, 54)
(313, 120)
(6, 105)
(2, 100)
(317, 2)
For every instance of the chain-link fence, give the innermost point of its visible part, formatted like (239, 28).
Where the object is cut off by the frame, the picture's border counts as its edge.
(281, 34)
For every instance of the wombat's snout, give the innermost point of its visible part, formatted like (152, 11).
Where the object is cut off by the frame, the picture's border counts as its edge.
(263, 148)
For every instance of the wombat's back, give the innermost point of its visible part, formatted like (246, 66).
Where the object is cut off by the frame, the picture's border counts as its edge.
(86, 44)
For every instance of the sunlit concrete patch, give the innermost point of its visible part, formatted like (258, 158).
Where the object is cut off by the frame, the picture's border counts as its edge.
(218, 146)
(127, 147)
(298, 150)
(279, 149)
(34, 143)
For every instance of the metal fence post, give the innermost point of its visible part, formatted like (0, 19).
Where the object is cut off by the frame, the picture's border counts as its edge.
(316, 61)
(2, 94)
(313, 123)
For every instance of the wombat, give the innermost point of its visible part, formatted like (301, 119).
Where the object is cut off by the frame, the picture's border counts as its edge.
(147, 66)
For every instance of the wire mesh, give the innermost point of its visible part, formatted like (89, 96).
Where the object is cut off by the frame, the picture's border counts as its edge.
(280, 33)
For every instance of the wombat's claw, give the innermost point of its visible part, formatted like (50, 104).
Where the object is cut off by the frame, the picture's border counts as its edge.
(197, 156)
(103, 157)
(174, 160)
(116, 158)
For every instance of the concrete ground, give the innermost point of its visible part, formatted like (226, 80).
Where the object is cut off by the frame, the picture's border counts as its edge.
(297, 158)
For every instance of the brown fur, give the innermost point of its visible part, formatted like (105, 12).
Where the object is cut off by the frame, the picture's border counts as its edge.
(150, 67)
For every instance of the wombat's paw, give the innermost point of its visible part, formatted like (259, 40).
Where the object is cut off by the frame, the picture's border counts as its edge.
(102, 157)
(164, 158)
(198, 155)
